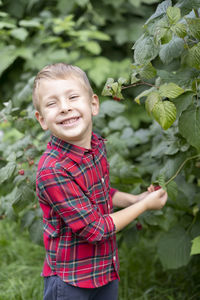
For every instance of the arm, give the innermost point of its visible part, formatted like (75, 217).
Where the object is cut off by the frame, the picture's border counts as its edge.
(153, 201)
(122, 199)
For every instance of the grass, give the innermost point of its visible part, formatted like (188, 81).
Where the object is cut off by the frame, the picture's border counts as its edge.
(142, 277)
(20, 264)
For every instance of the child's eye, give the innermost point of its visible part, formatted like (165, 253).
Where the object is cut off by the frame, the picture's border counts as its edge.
(73, 97)
(50, 104)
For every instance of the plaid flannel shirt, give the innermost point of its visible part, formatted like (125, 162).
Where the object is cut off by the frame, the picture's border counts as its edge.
(74, 193)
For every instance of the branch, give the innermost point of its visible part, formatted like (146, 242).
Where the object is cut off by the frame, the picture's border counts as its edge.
(181, 166)
(136, 84)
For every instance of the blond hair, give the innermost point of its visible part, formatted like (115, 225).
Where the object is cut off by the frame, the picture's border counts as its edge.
(58, 71)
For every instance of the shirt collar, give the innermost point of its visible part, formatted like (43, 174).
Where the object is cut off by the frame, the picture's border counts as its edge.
(76, 153)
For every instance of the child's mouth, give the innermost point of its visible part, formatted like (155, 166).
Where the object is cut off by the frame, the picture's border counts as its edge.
(70, 121)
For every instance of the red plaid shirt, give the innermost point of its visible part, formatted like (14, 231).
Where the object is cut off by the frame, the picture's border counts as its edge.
(74, 193)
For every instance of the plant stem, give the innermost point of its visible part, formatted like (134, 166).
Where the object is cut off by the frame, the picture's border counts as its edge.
(136, 84)
(181, 166)
(196, 13)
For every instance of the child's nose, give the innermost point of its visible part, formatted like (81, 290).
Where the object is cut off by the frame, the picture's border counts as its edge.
(65, 105)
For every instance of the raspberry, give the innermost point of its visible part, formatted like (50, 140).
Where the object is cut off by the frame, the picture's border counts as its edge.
(116, 98)
(31, 162)
(157, 187)
(21, 172)
(139, 226)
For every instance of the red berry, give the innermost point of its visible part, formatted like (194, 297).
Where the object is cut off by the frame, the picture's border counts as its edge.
(21, 172)
(31, 162)
(157, 187)
(116, 98)
(139, 226)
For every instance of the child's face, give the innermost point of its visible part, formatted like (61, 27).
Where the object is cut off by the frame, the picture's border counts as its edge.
(66, 109)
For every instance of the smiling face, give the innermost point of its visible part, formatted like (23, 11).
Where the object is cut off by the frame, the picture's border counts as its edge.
(66, 109)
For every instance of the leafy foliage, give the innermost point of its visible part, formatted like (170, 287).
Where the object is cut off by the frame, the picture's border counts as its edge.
(153, 139)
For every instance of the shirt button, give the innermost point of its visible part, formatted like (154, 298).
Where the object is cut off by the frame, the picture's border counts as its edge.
(102, 180)
(114, 258)
(109, 206)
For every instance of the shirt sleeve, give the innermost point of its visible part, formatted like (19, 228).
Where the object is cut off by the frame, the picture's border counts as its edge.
(64, 195)
(113, 191)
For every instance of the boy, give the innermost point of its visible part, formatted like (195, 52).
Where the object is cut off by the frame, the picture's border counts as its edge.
(74, 191)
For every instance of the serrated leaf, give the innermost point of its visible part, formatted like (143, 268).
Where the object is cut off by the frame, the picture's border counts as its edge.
(172, 190)
(107, 87)
(7, 171)
(189, 126)
(195, 246)
(174, 14)
(144, 94)
(193, 56)
(151, 100)
(161, 9)
(194, 27)
(174, 248)
(148, 71)
(149, 50)
(8, 55)
(164, 113)
(180, 30)
(170, 90)
(24, 196)
(171, 50)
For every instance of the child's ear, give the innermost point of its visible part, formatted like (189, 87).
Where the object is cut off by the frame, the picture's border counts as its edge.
(95, 105)
(41, 120)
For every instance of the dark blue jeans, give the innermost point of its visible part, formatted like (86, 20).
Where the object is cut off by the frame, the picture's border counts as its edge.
(56, 289)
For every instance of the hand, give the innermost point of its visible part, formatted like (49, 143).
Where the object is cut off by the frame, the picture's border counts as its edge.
(150, 189)
(153, 188)
(156, 200)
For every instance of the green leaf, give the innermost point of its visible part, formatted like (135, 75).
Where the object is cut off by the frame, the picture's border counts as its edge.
(24, 196)
(171, 50)
(151, 100)
(161, 10)
(180, 30)
(195, 246)
(182, 102)
(30, 23)
(172, 190)
(170, 90)
(19, 33)
(164, 113)
(149, 50)
(93, 47)
(148, 71)
(144, 94)
(8, 55)
(119, 123)
(174, 248)
(174, 14)
(194, 27)
(7, 171)
(189, 126)
(112, 108)
(7, 25)
(193, 56)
